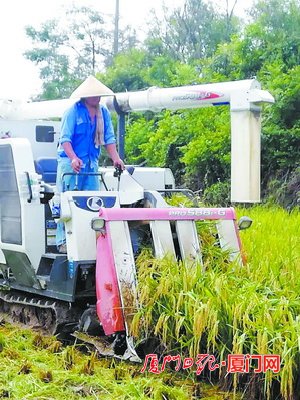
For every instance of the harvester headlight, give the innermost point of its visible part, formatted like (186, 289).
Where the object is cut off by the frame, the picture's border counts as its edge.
(98, 224)
(244, 223)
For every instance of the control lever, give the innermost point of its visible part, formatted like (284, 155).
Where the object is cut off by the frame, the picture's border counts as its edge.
(76, 182)
(117, 174)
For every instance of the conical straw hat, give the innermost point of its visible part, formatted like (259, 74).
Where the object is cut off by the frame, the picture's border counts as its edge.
(91, 87)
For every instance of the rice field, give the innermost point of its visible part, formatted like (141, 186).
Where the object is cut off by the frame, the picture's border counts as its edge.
(230, 309)
(227, 310)
(38, 367)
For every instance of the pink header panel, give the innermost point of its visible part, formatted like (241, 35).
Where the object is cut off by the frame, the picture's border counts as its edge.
(167, 214)
(109, 305)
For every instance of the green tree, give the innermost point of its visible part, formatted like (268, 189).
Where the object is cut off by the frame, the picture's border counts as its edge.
(127, 71)
(70, 50)
(192, 32)
(277, 30)
(272, 36)
(54, 66)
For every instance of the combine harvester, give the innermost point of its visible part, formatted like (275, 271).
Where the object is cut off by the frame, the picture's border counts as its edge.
(92, 290)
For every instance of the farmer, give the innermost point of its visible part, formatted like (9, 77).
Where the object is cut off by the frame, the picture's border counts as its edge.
(85, 126)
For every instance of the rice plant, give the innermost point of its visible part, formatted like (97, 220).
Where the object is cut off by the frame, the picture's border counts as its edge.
(230, 309)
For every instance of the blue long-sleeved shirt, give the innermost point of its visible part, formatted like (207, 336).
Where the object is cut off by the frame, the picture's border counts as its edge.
(78, 129)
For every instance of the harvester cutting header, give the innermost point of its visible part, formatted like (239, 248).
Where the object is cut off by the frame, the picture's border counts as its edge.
(93, 287)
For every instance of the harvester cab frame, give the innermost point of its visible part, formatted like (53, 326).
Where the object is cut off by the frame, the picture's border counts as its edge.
(93, 287)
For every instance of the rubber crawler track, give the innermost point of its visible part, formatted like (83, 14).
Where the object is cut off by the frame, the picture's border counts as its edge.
(50, 316)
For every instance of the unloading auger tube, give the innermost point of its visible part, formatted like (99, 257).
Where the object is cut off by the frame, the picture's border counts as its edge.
(244, 97)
